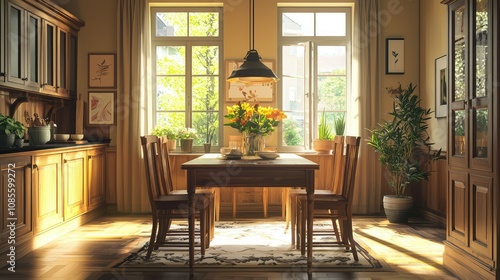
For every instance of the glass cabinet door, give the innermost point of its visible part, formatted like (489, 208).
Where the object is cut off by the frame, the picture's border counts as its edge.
(480, 103)
(62, 61)
(49, 57)
(33, 51)
(2, 42)
(458, 85)
(15, 58)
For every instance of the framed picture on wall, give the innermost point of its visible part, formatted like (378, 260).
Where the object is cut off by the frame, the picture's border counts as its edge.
(441, 86)
(255, 92)
(395, 56)
(102, 70)
(102, 107)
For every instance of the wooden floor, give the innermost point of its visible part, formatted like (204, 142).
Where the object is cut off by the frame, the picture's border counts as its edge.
(414, 251)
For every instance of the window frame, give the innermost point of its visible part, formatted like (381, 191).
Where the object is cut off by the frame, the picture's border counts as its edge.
(312, 43)
(188, 43)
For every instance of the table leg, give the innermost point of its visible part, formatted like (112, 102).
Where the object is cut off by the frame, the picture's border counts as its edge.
(191, 191)
(310, 215)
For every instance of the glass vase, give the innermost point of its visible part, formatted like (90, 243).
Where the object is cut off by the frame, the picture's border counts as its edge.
(253, 143)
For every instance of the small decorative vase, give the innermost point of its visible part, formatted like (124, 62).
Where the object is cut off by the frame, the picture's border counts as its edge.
(187, 145)
(253, 143)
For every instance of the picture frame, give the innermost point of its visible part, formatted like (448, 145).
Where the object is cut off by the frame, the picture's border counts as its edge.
(102, 108)
(441, 86)
(102, 70)
(395, 56)
(235, 91)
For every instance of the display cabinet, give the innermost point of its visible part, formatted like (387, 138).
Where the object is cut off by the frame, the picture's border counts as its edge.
(472, 227)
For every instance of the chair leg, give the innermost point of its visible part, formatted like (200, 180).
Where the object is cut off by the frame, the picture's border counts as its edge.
(292, 204)
(217, 203)
(152, 238)
(284, 205)
(265, 200)
(234, 202)
(348, 226)
(303, 220)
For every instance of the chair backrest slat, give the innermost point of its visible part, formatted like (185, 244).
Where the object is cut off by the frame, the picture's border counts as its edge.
(150, 150)
(166, 166)
(351, 160)
(338, 164)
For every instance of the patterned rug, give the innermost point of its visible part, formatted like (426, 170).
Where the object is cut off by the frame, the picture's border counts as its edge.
(253, 244)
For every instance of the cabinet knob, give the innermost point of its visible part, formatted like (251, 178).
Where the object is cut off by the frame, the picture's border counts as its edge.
(2, 74)
(65, 161)
(90, 157)
(24, 79)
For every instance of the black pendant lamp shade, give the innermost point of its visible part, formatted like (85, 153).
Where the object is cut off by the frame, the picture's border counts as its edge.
(252, 70)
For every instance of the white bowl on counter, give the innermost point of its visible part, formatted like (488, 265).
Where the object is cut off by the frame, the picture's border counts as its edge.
(76, 137)
(61, 137)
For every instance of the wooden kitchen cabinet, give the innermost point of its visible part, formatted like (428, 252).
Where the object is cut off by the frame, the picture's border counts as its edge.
(38, 45)
(96, 185)
(15, 200)
(22, 46)
(47, 189)
(75, 183)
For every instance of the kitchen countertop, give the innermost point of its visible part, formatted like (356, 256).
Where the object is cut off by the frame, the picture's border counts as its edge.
(49, 145)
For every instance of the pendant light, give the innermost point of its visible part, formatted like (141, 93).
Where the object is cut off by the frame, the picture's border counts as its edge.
(252, 71)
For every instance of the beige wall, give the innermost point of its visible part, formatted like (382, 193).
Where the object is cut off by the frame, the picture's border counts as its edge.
(433, 44)
(97, 36)
(423, 43)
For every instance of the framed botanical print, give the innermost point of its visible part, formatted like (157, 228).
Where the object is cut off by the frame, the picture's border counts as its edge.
(441, 87)
(102, 108)
(102, 70)
(395, 56)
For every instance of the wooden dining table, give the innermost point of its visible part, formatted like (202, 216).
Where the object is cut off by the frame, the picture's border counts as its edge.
(213, 170)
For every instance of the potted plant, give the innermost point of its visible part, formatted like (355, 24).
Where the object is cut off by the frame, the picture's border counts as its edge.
(187, 136)
(404, 148)
(10, 129)
(171, 133)
(324, 143)
(339, 125)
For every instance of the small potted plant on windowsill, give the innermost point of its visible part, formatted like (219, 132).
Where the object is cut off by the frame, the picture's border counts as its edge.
(187, 136)
(171, 133)
(324, 143)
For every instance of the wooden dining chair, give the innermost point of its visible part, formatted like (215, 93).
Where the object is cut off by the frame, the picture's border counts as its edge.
(335, 186)
(167, 183)
(166, 207)
(336, 207)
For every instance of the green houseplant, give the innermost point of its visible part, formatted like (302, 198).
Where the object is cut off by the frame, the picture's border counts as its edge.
(324, 143)
(172, 134)
(187, 136)
(404, 147)
(339, 125)
(10, 129)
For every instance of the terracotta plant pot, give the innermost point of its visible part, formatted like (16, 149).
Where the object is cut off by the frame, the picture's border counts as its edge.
(323, 146)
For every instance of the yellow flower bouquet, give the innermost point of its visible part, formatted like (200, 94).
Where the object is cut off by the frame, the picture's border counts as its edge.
(256, 119)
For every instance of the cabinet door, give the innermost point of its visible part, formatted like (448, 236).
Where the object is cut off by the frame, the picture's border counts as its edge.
(15, 45)
(23, 48)
(62, 61)
(15, 198)
(97, 190)
(49, 54)
(458, 151)
(75, 183)
(47, 187)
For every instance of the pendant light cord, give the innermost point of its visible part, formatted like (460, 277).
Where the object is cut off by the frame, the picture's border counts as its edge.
(251, 17)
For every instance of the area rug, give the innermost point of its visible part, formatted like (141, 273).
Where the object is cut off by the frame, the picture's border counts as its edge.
(254, 245)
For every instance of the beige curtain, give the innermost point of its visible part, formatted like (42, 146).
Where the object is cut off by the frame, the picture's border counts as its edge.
(366, 70)
(132, 103)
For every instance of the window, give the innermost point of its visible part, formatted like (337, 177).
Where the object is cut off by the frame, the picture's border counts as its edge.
(315, 50)
(186, 49)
